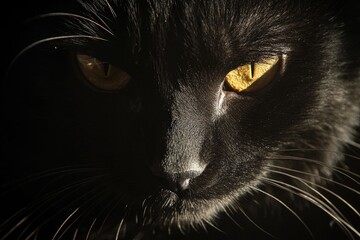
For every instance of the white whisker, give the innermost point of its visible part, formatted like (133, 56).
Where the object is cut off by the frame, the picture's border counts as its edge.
(316, 201)
(331, 206)
(256, 225)
(42, 205)
(232, 219)
(36, 236)
(111, 209)
(59, 192)
(14, 228)
(213, 225)
(334, 168)
(318, 176)
(64, 14)
(287, 207)
(13, 218)
(75, 234)
(89, 232)
(57, 171)
(318, 150)
(119, 229)
(113, 13)
(349, 142)
(34, 233)
(335, 213)
(50, 39)
(63, 224)
(317, 185)
(121, 223)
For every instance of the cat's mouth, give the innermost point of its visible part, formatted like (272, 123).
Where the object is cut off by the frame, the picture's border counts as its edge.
(168, 209)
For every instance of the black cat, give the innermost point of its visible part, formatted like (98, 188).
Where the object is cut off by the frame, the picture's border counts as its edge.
(231, 119)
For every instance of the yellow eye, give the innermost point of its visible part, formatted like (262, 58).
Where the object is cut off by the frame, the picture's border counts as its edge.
(101, 74)
(253, 77)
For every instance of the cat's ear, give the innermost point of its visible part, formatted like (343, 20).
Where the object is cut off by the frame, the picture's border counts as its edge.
(101, 74)
(254, 76)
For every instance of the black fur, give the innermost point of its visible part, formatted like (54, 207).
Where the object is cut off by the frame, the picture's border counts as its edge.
(98, 154)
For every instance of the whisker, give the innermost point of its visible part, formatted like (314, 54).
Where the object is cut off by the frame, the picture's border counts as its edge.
(317, 150)
(311, 199)
(213, 226)
(95, 199)
(75, 234)
(42, 203)
(62, 225)
(85, 203)
(14, 228)
(91, 10)
(120, 224)
(68, 227)
(113, 13)
(317, 202)
(256, 225)
(34, 233)
(230, 210)
(24, 231)
(88, 208)
(287, 207)
(50, 39)
(48, 173)
(144, 201)
(232, 219)
(61, 191)
(89, 232)
(318, 176)
(73, 15)
(180, 228)
(101, 20)
(3, 225)
(203, 226)
(331, 206)
(36, 236)
(111, 209)
(333, 168)
(315, 184)
(349, 142)
(71, 185)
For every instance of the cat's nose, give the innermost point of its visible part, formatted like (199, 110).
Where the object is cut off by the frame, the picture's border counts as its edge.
(177, 182)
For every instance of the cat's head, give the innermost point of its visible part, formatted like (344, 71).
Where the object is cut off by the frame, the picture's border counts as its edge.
(195, 104)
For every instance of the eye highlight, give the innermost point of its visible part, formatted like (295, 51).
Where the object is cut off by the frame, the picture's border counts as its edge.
(254, 76)
(101, 74)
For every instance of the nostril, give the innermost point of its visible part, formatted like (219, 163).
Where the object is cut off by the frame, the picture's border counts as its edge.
(178, 182)
(182, 180)
(184, 184)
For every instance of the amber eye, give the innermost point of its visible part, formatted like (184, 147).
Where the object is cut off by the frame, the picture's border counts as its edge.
(253, 77)
(101, 74)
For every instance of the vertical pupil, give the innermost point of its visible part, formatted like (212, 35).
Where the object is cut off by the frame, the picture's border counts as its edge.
(252, 68)
(106, 67)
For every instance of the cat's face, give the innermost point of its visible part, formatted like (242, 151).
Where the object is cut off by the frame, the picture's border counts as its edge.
(186, 109)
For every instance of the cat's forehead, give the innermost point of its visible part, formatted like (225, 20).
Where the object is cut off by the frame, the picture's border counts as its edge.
(189, 19)
(183, 37)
